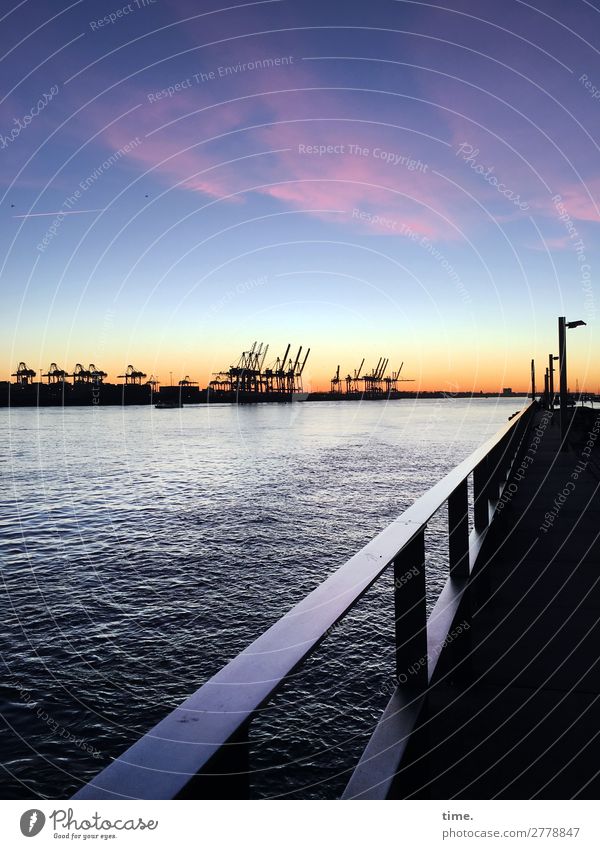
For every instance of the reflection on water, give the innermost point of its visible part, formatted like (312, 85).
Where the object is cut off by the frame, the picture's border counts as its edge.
(142, 549)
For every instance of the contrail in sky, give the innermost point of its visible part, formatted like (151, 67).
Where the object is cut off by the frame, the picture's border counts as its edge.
(60, 212)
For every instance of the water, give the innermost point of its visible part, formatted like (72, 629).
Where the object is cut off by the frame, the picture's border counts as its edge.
(142, 549)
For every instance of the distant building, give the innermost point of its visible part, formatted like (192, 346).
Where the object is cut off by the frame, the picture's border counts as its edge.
(507, 390)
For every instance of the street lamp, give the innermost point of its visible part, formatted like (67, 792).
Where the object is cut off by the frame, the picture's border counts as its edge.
(563, 324)
(551, 359)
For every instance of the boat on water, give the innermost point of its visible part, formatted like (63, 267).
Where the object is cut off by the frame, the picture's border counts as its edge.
(168, 405)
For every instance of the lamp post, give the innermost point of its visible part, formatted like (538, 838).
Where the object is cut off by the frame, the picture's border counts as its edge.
(533, 380)
(554, 358)
(551, 359)
(563, 324)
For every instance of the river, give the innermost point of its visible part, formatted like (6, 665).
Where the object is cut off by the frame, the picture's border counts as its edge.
(142, 549)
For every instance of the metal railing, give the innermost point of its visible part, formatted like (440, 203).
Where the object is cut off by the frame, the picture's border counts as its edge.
(200, 749)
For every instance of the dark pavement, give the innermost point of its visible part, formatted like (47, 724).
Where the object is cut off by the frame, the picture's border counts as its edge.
(514, 710)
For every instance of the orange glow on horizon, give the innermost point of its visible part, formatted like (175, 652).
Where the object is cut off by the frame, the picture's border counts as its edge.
(427, 376)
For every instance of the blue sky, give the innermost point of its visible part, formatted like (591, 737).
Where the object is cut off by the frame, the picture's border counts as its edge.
(406, 179)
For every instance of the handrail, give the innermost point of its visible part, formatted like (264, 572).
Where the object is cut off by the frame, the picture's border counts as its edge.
(199, 750)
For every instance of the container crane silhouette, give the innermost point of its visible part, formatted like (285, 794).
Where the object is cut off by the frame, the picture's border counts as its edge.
(132, 376)
(92, 374)
(56, 374)
(23, 374)
(352, 380)
(335, 382)
(393, 381)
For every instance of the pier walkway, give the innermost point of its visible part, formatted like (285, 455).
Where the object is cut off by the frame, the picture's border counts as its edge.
(517, 714)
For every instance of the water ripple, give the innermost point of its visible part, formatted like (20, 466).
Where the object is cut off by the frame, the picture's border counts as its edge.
(142, 552)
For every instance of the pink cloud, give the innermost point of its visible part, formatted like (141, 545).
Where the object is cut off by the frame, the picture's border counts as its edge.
(174, 153)
(555, 243)
(580, 201)
(341, 180)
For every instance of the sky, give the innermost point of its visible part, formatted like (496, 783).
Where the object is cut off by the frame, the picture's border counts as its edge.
(418, 181)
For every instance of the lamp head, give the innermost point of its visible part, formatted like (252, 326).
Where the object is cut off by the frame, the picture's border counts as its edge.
(571, 324)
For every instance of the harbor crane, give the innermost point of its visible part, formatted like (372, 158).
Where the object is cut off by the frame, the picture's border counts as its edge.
(373, 384)
(391, 383)
(132, 376)
(352, 380)
(23, 374)
(373, 381)
(185, 381)
(92, 374)
(335, 382)
(250, 376)
(296, 376)
(56, 374)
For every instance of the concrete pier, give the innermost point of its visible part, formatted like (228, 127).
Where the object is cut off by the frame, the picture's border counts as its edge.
(513, 710)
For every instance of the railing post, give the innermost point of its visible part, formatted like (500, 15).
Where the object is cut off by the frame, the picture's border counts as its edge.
(514, 448)
(510, 447)
(411, 613)
(458, 531)
(481, 510)
(496, 463)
